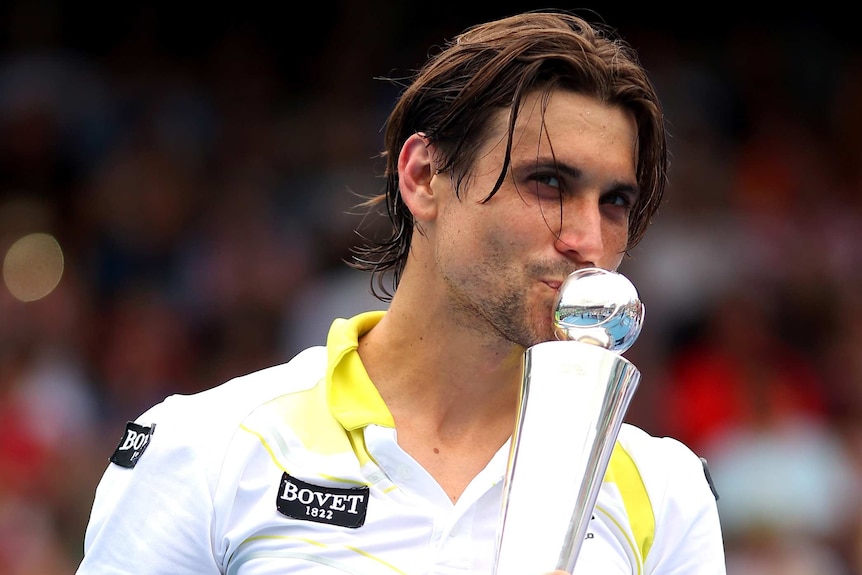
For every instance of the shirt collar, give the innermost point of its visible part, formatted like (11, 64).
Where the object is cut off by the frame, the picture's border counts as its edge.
(353, 398)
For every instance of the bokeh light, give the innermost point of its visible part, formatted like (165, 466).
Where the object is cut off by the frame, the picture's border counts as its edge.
(33, 266)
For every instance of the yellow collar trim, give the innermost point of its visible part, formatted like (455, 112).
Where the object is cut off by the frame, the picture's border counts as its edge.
(354, 400)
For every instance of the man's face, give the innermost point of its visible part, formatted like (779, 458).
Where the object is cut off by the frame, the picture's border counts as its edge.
(564, 205)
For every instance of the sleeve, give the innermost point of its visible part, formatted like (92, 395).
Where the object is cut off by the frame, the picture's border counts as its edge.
(688, 537)
(153, 511)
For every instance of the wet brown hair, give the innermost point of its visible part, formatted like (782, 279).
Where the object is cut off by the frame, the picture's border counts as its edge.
(490, 67)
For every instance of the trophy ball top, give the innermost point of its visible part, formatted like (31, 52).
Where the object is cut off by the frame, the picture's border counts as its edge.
(599, 307)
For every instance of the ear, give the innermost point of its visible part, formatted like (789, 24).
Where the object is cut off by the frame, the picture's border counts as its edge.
(415, 172)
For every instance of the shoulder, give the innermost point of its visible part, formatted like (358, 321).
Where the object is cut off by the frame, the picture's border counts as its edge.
(204, 422)
(687, 530)
(237, 397)
(665, 461)
(246, 392)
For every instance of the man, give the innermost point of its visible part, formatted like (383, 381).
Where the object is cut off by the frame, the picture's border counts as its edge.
(526, 149)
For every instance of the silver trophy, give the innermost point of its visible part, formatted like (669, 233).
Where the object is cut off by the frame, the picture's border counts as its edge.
(574, 396)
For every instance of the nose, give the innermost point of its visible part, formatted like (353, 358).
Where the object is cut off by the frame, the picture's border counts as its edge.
(580, 236)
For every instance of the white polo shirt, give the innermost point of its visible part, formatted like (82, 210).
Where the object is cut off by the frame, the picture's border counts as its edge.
(296, 469)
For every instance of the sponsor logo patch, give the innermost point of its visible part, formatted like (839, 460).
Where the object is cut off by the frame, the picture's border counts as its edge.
(135, 440)
(345, 507)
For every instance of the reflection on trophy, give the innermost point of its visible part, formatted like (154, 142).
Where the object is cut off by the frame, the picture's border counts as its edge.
(574, 396)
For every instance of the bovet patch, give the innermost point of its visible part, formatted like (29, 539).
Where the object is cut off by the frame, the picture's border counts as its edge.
(133, 444)
(341, 506)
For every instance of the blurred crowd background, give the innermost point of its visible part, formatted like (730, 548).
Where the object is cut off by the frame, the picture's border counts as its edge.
(176, 194)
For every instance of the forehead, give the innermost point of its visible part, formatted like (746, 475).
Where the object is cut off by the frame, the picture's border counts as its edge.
(563, 120)
(570, 112)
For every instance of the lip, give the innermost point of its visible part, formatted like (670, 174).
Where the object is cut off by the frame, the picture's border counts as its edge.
(553, 284)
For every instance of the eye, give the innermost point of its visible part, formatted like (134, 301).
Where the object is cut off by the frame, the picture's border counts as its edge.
(618, 205)
(548, 180)
(547, 186)
(619, 199)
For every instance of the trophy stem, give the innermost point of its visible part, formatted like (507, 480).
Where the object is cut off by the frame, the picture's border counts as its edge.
(574, 397)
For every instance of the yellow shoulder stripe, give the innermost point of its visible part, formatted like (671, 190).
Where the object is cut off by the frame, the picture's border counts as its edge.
(624, 473)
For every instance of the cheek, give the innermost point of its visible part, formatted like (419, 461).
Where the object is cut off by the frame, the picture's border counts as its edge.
(483, 247)
(615, 239)
(615, 262)
(617, 234)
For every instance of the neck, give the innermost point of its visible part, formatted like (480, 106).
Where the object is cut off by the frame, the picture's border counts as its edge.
(451, 374)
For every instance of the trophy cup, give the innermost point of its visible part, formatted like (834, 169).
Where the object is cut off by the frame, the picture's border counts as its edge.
(574, 396)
